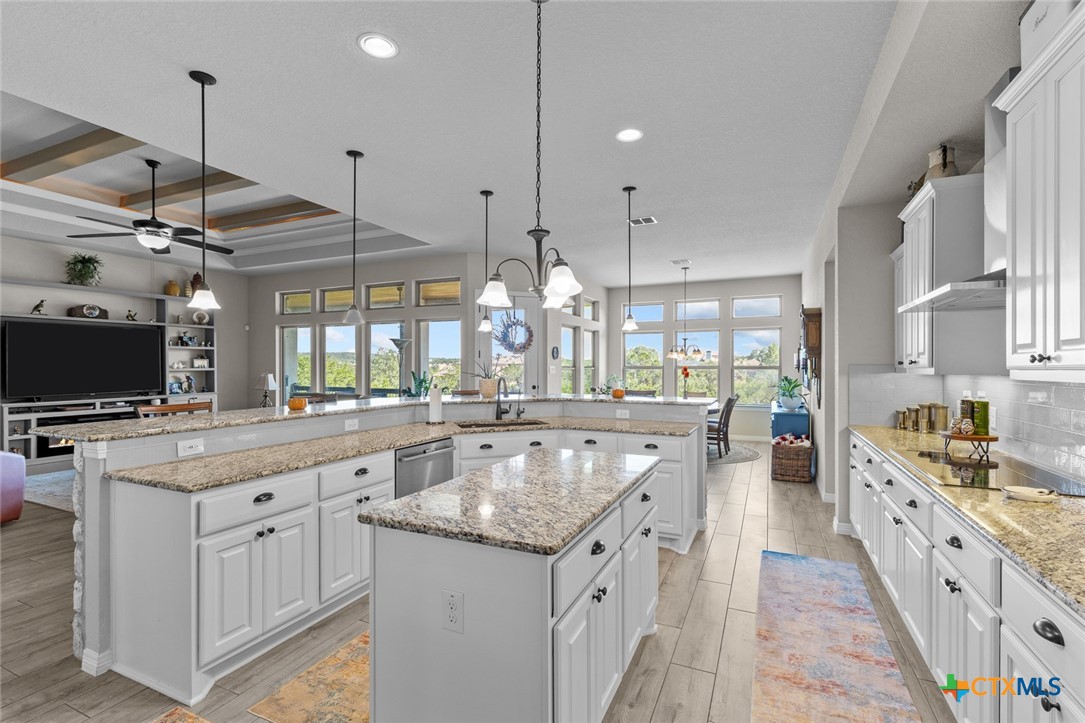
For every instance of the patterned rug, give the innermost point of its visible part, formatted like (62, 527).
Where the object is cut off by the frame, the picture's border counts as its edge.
(739, 453)
(53, 489)
(335, 689)
(180, 715)
(820, 650)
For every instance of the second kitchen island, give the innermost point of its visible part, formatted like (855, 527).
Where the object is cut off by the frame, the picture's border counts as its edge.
(516, 592)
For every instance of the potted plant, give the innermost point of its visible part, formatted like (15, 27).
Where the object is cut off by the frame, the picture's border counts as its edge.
(420, 385)
(487, 379)
(83, 270)
(789, 392)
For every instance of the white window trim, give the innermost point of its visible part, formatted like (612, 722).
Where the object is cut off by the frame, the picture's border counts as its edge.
(442, 279)
(680, 302)
(780, 297)
(662, 361)
(780, 368)
(383, 285)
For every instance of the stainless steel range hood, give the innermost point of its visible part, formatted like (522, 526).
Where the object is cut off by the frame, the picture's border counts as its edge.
(982, 292)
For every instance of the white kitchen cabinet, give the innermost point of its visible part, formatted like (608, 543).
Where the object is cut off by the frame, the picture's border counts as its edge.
(229, 590)
(640, 589)
(890, 520)
(1046, 197)
(290, 577)
(1048, 703)
(573, 663)
(915, 585)
(901, 322)
(918, 278)
(589, 441)
(668, 482)
(606, 624)
(344, 543)
(855, 499)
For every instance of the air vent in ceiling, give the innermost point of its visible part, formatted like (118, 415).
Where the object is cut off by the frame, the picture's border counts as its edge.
(642, 221)
(681, 262)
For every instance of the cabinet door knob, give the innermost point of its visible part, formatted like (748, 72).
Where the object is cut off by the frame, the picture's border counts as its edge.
(898, 521)
(1049, 631)
(645, 497)
(361, 472)
(855, 446)
(1032, 358)
(651, 445)
(259, 533)
(869, 460)
(954, 541)
(271, 530)
(590, 441)
(597, 597)
(900, 363)
(951, 585)
(646, 531)
(535, 443)
(603, 590)
(363, 499)
(598, 548)
(263, 497)
(913, 504)
(867, 485)
(1047, 704)
(888, 482)
(486, 446)
(1043, 358)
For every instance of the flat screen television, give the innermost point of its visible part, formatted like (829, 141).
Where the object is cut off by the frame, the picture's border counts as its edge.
(69, 360)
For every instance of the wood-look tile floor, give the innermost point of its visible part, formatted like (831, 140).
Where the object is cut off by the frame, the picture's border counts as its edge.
(697, 667)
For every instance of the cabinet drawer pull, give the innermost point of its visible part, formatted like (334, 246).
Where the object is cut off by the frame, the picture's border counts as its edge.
(898, 521)
(888, 482)
(1047, 704)
(951, 585)
(852, 466)
(536, 443)
(651, 445)
(590, 441)
(954, 541)
(913, 504)
(912, 361)
(486, 446)
(869, 460)
(598, 548)
(1049, 631)
(263, 497)
(646, 531)
(867, 485)
(362, 500)
(855, 446)
(645, 497)
(361, 472)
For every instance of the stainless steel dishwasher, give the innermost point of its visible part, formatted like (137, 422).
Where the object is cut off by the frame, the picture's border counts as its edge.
(422, 466)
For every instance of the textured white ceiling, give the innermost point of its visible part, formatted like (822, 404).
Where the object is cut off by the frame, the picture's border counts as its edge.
(746, 108)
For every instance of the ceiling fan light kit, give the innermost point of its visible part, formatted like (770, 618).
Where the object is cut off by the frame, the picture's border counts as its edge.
(203, 298)
(353, 316)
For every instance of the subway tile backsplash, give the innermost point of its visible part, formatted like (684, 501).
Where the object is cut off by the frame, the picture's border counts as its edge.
(876, 392)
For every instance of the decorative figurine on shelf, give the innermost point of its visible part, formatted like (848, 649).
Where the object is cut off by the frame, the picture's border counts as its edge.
(38, 308)
(173, 288)
(131, 315)
(188, 292)
(190, 384)
(197, 281)
(181, 317)
(177, 365)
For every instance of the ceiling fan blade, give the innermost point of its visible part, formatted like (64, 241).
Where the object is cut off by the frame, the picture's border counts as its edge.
(163, 250)
(100, 235)
(184, 231)
(199, 244)
(108, 223)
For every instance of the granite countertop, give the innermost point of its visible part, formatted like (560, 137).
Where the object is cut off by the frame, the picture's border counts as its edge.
(218, 470)
(537, 502)
(135, 428)
(1047, 541)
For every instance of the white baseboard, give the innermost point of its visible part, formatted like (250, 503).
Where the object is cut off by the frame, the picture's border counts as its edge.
(843, 528)
(95, 663)
(827, 496)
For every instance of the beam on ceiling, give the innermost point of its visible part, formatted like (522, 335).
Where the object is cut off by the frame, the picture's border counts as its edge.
(72, 153)
(186, 190)
(270, 215)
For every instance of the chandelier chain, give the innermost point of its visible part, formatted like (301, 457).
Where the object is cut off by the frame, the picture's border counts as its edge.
(538, 115)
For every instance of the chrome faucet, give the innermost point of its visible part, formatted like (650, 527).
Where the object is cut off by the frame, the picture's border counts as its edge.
(502, 411)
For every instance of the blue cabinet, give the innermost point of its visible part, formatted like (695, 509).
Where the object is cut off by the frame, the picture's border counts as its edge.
(793, 421)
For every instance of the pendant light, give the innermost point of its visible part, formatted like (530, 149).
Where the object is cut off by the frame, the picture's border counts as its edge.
(552, 279)
(353, 316)
(203, 298)
(486, 325)
(685, 350)
(630, 323)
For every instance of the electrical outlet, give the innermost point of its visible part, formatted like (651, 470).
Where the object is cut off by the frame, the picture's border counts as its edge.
(190, 447)
(992, 418)
(351, 425)
(452, 611)
(621, 413)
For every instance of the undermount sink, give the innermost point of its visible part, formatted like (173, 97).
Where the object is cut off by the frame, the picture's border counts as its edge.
(478, 424)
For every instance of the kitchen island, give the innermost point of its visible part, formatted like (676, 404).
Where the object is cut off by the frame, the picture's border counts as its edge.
(516, 592)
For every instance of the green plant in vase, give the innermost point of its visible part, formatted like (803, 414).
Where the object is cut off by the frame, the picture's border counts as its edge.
(83, 270)
(789, 392)
(419, 385)
(487, 378)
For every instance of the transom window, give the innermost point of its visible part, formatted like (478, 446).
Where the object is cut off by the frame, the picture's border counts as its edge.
(296, 302)
(756, 364)
(384, 296)
(694, 310)
(644, 312)
(336, 299)
(749, 307)
(442, 292)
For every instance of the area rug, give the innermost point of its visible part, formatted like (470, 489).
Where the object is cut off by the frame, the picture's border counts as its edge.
(820, 650)
(53, 489)
(180, 715)
(739, 453)
(335, 689)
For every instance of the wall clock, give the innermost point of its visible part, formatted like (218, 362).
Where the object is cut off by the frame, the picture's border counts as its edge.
(88, 311)
(555, 353)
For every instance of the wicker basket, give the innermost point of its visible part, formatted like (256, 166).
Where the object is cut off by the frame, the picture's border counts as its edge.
(791, 463)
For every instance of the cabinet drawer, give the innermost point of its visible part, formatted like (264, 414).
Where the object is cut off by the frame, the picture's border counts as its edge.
(668, 449)
(977, 560)
(342, 477)
(576, 568)
(909, 495)
(255, 501)
(638, 503)
(503, 446)
(1033, 614)
(589, 441)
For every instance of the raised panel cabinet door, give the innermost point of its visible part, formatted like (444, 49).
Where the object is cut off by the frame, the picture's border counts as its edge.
(899, 320)
(372, 496)
(1017, 661)
(1066, 286)
(290, 567)
(633, 589)
(872, 522)
(340, 546)
(649, 577)
(915, 586)
(1025, 257)
(669, 489)
(908, 293)
(230, 578)
(573, 664)
(924, 321)
(466, 465)
(608, 651)
(890, 520)
(945, 611)
(856, 499)
(977, 655)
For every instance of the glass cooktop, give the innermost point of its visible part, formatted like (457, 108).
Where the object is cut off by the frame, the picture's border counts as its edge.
(993, 473)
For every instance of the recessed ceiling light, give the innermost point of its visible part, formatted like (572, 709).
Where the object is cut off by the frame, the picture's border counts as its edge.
(377, 45)
(629, 135)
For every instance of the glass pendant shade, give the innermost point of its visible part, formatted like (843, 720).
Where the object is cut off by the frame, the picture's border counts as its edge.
(695, 353)
(486, 326)
(561, 281)
(630, 323)
(495, 295)
(353, 316)
(554, 302)
(204, 298)
(151, 241)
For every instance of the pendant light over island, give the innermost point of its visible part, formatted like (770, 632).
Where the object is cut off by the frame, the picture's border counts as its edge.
(353, 316)
(203, 297)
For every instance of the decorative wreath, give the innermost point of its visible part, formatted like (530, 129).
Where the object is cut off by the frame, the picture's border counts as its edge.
(507, 332)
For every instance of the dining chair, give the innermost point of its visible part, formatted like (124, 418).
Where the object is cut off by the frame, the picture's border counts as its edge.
(719, 428)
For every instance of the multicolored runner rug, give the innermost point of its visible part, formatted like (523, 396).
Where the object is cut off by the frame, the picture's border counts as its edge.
(820, 650)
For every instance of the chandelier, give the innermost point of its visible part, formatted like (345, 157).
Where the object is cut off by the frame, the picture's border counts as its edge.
(685, 350)
(551, 280)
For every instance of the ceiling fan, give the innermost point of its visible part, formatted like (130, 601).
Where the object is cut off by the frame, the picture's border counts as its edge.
(152, 233)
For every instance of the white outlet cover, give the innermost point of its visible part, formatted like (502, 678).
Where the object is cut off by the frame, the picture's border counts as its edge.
(452, 611)
(621, 414)
(992, 418)
(190, 447)
(351, 425)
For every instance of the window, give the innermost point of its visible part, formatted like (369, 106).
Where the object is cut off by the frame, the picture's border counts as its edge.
(644, 312)
(297, 363)
(384, 359)
(439, 293)
(295, 302)
(754, 306)
(697, 310)
(704, 375)
(340, 358)
(591, 309)
(384, 296)
(588, 347)
(440, 352)
(756, 368)
(335, 299)
(509, 365)
(568, 360)
(643, 361)
(569, 307)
